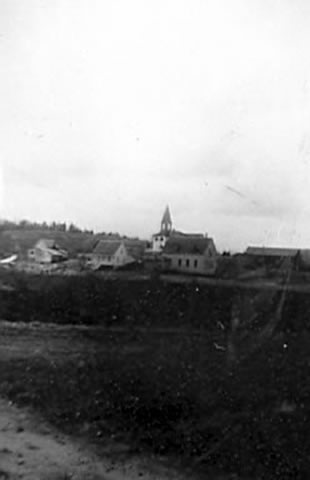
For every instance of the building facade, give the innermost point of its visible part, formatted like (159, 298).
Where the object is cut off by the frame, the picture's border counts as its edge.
(193, 255)
(109, 254)
(47, 251)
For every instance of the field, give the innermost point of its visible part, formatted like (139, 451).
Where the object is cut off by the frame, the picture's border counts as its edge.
(151, 367)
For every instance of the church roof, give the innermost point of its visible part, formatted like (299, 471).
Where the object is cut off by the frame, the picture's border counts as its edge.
(167, 216)
(187, 245)
(107, 247)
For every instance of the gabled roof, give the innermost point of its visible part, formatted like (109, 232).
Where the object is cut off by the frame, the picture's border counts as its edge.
(135, 248)
(47, 243)
(50, 246)
(161, 234)
(177, 233)
(107, 247)
(187, 245)
(272, 251)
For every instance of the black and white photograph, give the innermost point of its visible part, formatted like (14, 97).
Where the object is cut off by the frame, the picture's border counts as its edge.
(154, 239)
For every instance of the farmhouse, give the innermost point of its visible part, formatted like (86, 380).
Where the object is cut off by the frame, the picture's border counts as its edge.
(47, 251)
(135, 249)
(195, 255)
(109, 254)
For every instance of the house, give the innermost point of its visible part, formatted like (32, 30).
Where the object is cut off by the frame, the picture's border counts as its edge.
(47, 251)
(273, 257)
(109, 254)
(195, 255)
(136, 249)
(159, 239)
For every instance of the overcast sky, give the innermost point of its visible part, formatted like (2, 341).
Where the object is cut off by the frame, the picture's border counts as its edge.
(112, 109)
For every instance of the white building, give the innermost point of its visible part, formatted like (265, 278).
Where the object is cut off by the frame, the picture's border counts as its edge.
(47, 251)
(109, 254)
(159, 239)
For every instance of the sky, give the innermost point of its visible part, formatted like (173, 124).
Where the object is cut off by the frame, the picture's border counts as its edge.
(110, 110)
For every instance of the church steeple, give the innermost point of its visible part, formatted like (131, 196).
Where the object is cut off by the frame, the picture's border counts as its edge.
(166, 223)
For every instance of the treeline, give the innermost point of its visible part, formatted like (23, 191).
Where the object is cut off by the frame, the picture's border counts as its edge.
(27, 225)
(50, 227)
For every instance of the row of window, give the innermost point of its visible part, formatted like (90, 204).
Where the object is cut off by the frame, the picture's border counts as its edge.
(187, 263)
(159, 239)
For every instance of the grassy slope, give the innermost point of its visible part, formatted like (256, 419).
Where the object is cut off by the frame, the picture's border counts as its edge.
(22, 240)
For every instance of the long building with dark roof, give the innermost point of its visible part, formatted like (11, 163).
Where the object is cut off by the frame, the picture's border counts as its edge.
(195, 255)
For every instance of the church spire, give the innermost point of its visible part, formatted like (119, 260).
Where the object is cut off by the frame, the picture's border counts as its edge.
(166, 223)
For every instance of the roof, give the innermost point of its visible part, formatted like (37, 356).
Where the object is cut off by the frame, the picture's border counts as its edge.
(50, 246)
(272, 251)
(187, 245)
(135, 248)
(57, 252)
(305, 255)
(107, 247)
(177, 233)
(47, 243)
(167, 216)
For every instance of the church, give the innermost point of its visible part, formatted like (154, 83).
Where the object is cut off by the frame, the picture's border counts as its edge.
(187, 253)
(159, 239)
(166, 232)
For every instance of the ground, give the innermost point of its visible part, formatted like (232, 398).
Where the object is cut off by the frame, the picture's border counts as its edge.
(32, 448)
(153, 371)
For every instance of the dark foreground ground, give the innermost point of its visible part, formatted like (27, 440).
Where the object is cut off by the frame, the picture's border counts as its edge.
(174, 386)
(171, 394)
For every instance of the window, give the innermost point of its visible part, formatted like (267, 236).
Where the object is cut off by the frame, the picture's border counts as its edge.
(109, 258)
(161, 239)
(156, 239)
(196, 263)
(180, 262)
(187, 262)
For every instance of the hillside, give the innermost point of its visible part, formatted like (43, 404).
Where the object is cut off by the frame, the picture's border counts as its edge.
(19, 241)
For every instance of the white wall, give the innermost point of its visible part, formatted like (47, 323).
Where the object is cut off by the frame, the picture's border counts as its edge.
(158, 242)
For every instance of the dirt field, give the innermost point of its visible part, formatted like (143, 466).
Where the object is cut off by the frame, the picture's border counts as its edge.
(31, 447)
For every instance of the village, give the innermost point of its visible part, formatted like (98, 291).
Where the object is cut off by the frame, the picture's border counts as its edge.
(169, 251)
(108, 336)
